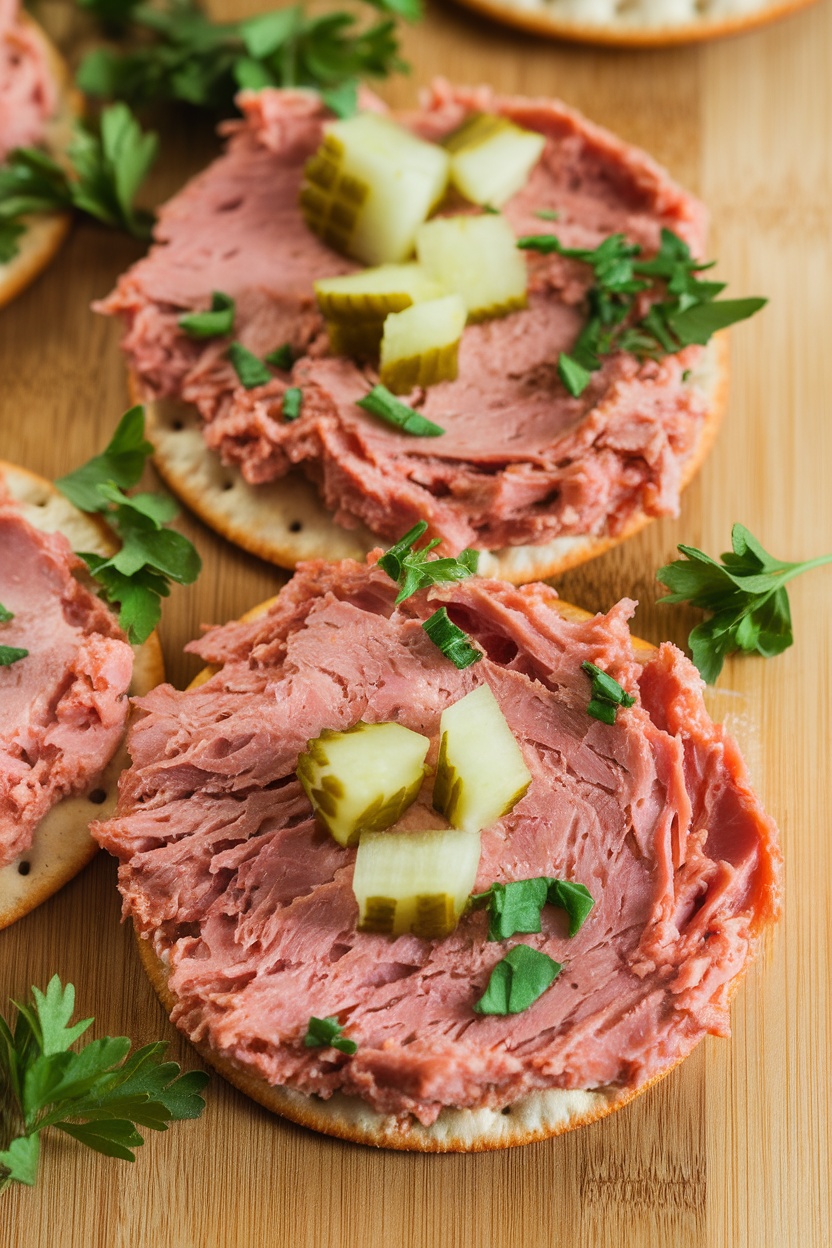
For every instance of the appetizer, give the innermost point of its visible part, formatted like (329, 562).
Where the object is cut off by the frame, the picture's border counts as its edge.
(485, 315)
(37, 109)
(430, 862)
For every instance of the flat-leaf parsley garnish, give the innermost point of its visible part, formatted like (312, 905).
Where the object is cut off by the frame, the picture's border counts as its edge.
(414, 570)
(607, 694)
(746, 595)
(684, 310)
(216, 322)
(138, 575)
(515, 907)
(98, 1094)
(327, 1032)
(106, 172)
(380, 402)
(250, 370)
(178, 53)
(517, 981)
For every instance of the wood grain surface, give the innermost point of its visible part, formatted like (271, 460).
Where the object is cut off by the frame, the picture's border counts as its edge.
(733, 1148)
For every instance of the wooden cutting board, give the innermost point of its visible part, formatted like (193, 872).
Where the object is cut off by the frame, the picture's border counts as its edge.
(733, 1148)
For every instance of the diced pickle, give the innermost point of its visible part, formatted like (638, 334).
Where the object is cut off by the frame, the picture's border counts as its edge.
(491, 158)
(420, 345)
(478, 258)
(480, 773)
(370, 186)
(414, 881)
(363, 778)
(360, 340)
(374, 293)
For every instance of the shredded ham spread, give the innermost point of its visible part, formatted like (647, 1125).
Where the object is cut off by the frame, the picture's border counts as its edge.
(27, 93)
(251, 905)
(520, 461)
(63, 707)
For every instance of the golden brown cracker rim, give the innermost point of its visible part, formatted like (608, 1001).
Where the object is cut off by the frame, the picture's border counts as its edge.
(62, 845)
(626, 34)
(44, 231)
(538, 1116)
(286, 522)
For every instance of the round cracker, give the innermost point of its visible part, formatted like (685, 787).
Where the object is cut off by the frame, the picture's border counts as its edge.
(44, 231)
(541, 18)
(535, 1117)
(285, 521)
(62, 845)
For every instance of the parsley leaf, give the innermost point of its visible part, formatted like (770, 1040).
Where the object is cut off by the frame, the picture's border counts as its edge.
(5, 614)
(745, 594)
(414, 570)
(107, 170)
(11, 654)
(250, 370)
(516, 906)
(326, 1032)
(380, 402)
(684, 310)
(212, 324)
(452, 641)
(292, 402)
(98, 1094)
(178, 53)
(607, 694)
(137, 576)
(517, 981)
(282, 357)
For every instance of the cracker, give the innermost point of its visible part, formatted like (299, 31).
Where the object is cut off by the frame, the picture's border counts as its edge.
(639, 24)
(538, 1116)
(62, 845)
(286, 522)
(45, 231)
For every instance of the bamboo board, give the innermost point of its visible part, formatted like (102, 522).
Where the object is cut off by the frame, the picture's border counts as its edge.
(734, 1147)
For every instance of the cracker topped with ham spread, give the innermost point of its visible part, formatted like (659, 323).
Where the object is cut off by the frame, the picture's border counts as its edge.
(652, 871)
(541, 473)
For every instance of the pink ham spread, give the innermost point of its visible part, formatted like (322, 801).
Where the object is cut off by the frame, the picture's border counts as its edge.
(63, 707)
(521, 461)
(28, 96)
(251, 905)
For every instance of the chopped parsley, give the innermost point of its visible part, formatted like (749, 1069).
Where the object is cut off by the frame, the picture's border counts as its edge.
(607, 694)
(518, 981)
(380, 402)
(282, 357)
(452, 641)
(212, 324)
(250, 370)
(414, 570)
(327, 1032)
(292, 403)
(516, 906)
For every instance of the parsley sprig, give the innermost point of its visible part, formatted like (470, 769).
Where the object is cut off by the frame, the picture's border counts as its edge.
(746, 595)
(138, 575)
(180, 54)
(684, 309)
(98, 1094)
(107, 170)
(414, 570)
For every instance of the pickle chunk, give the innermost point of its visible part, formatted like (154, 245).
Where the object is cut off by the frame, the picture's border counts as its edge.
(355, 306)
(420, 345)
(478, 258)
(414, 881)
(362, 779)
(491, 158)
(370, 186)
(480, 774)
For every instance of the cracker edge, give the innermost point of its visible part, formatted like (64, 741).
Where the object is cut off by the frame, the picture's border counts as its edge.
(630, 36)
(45, 232)
(66, 824)
(226, 503)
